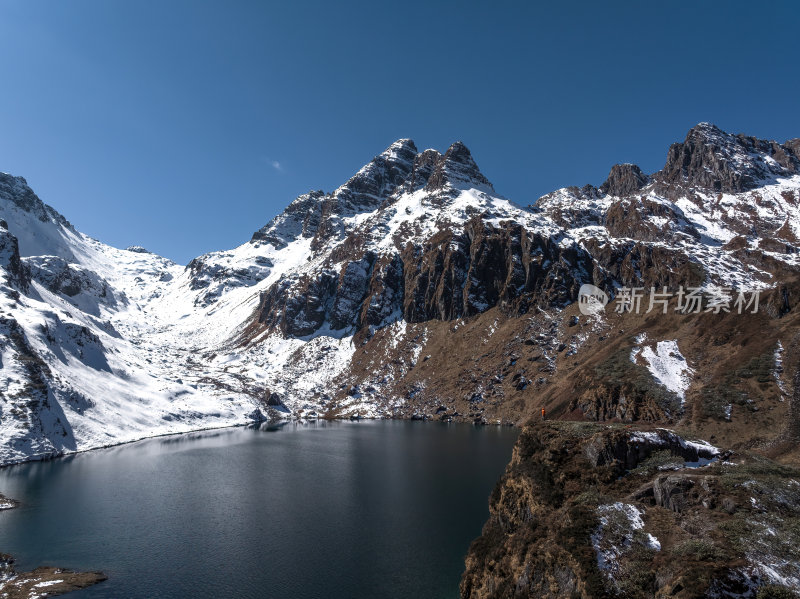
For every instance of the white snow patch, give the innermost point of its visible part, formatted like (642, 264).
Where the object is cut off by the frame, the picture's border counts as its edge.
(47, 583)
(667, 365)
(778, 371)
(608, 553)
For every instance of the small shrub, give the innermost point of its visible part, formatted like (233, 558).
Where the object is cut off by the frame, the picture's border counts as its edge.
(589, 497)
(715, 399)
(759, 367)
(774, 591)
(698, 549)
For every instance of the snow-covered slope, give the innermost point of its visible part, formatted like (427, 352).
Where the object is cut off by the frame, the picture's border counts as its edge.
(102, 345)
(80, 367)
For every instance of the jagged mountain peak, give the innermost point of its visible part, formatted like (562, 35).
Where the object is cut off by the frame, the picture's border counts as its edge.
(363, 192)
(704, 129)
(401, 152)
(459, 151)
(398, 169)
(376, 180)
(400, 149)
(624, 179)
(458, 169)
(713, 160)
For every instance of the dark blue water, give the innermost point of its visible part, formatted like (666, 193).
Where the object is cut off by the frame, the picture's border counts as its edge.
(328, 510)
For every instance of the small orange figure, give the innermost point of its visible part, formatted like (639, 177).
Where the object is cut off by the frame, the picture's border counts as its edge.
(542, 413)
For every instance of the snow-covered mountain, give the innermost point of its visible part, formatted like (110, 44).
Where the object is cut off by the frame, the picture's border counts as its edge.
(81, 367)
(339, 304)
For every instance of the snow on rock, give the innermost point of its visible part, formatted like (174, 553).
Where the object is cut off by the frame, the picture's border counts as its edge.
(778, 372)
(695, 454)
(621, 527)
(772, 557)
(47, 583)
(663, 436)
(667, 365)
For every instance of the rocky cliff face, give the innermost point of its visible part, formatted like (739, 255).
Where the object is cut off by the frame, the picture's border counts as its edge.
(716, 161)
(450, 275)
(15, 275)
(588, 511)
(633, 232)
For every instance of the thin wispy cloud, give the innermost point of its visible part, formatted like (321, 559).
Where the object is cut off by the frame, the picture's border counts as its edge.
(275, 164)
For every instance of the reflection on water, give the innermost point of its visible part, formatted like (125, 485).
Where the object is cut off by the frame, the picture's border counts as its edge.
(313, 509)
(274, 427)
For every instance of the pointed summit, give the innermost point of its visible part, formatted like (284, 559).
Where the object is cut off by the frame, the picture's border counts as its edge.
(404, 150)
(707, 131)
(398, 169)
(623, 180)
(713, 160)
(458, 169)
(380, 177)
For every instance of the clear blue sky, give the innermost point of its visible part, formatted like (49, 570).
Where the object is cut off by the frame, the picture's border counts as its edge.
(185, 125)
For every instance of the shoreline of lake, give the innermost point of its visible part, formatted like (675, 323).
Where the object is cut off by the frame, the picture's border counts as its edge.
(44, 581)
(277, 422)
